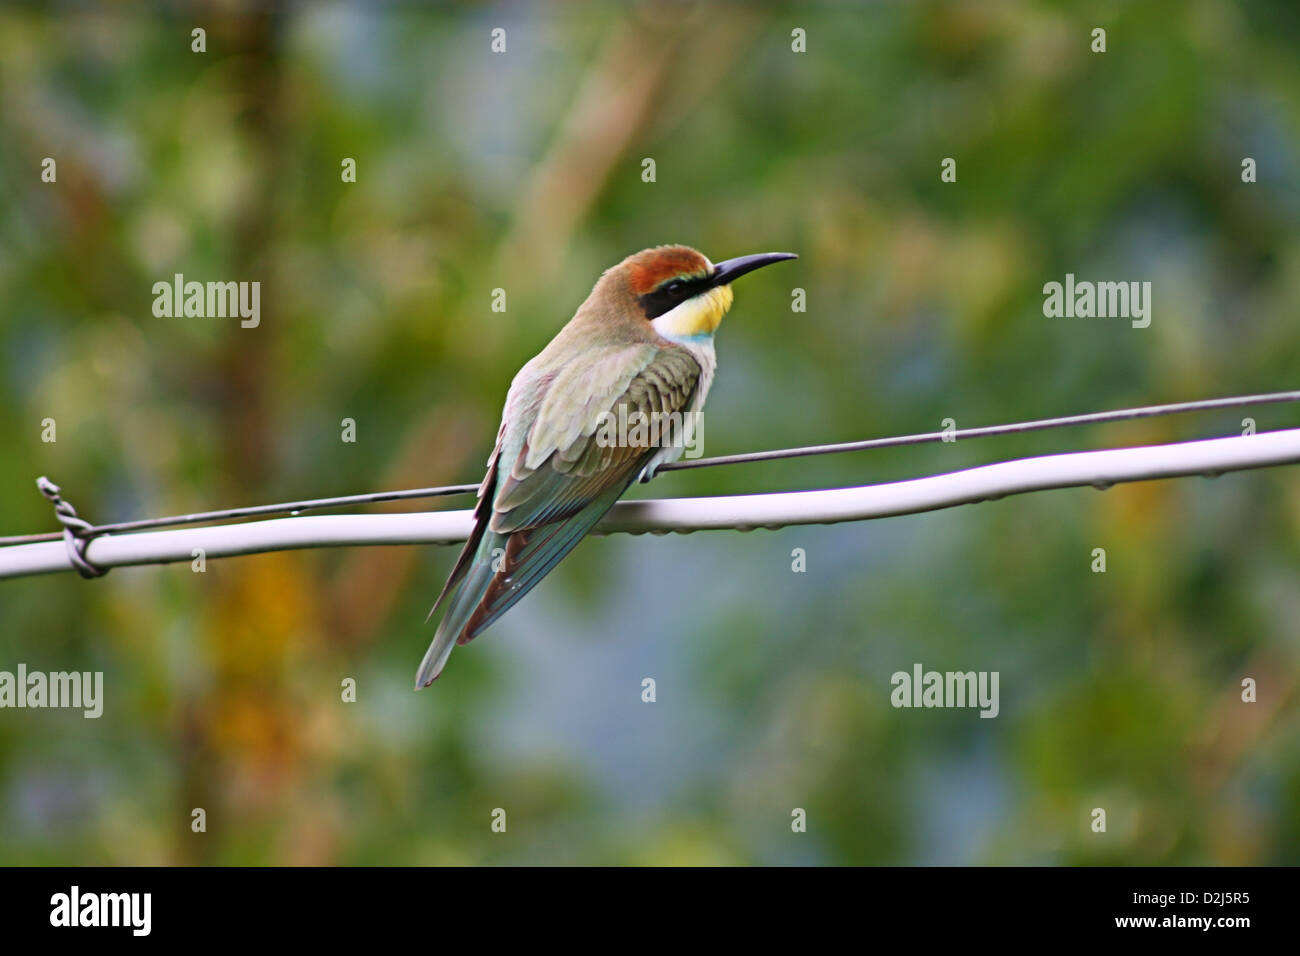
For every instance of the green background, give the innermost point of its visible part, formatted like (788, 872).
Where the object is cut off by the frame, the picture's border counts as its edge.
(522, 171)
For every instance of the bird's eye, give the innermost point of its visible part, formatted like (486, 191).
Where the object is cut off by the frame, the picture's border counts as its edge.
(675, 286)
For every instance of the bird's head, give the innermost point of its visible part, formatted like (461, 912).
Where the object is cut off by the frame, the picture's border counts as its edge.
(681, 292)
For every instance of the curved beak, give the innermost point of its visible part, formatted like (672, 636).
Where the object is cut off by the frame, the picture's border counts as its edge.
(732, 269)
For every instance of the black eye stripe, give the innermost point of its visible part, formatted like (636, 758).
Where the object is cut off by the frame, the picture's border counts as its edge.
(671, 294)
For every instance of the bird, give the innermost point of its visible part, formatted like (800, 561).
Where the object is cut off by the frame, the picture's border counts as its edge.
(642, 341)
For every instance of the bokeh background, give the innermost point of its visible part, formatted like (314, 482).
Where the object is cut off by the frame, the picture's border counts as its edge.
(522, 171)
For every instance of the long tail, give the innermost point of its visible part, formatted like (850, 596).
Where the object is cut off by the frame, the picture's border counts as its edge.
(478, 577)
(504, 568)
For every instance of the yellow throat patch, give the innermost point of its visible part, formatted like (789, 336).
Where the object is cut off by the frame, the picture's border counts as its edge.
(700, 315)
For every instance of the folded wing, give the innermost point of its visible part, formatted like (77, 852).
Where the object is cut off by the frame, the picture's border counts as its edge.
(552, 476)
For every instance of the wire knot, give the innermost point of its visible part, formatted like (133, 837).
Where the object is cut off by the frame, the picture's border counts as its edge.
(77, 532)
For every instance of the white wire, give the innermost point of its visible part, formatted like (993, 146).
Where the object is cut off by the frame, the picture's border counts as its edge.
(1098, 468)
(85, 530)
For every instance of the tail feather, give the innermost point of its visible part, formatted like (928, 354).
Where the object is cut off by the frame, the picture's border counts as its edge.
(482, 514)
(476, 576)
(486, 593)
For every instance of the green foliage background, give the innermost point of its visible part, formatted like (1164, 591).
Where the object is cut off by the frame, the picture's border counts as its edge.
(522, 171)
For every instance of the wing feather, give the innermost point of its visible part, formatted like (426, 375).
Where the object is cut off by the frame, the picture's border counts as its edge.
(550, 478)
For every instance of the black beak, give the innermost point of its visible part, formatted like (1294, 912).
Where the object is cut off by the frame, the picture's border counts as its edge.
(733, 269)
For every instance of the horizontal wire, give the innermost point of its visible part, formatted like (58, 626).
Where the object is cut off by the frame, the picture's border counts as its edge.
(290, 507)
(294, 507)
(993, 482)
(1123, 414)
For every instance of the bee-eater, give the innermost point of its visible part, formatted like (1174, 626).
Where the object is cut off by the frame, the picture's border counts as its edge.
(641, 342)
